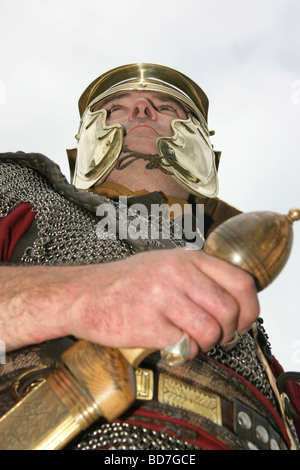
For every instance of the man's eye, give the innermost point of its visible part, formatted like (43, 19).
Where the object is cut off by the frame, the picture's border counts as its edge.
(167, 107)
(113, 108)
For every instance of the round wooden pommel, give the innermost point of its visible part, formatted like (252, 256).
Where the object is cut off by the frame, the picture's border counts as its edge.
(257, 242)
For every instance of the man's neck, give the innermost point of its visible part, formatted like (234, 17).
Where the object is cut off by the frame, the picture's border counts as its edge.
(136, 177)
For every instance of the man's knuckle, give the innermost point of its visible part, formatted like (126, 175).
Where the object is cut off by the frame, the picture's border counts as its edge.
(245, 282)
(170, 266)
(228, 307)
(210, 335)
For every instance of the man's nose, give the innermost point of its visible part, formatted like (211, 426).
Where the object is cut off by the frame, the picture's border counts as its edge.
(142, 108)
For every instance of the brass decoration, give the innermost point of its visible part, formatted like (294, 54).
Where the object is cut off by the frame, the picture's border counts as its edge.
(30, 379)
(177, 393)
(285, 401)
(194, 166)
(94, 381)
(257, 242)
(99, 146)
(38, 422)
(144, 384)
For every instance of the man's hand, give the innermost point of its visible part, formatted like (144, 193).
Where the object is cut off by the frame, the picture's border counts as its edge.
(146, 301)
(150, 299)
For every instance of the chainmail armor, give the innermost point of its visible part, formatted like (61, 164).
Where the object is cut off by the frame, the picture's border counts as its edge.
(125, 436)
(66, 232)
(242, 359)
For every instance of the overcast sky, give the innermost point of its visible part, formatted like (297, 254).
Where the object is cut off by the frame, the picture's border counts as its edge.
(244, 54)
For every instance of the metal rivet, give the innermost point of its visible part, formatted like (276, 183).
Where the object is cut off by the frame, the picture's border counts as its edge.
(252, 446)
(244, 420)
(274, 444)
(262, 434)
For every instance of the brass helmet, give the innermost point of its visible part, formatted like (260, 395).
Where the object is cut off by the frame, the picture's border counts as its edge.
(194, 162)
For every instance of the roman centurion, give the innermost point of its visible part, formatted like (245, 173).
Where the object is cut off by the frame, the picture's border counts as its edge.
(174, 331)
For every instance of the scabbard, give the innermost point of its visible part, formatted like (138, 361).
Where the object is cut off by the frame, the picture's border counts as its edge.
(93, 381)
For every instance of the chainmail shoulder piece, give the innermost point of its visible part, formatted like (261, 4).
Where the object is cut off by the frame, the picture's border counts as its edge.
(66, 231)
(68, 227)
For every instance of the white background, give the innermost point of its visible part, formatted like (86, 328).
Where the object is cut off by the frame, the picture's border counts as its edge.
(244, 54)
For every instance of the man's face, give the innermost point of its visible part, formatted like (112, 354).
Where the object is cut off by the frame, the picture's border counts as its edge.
(144, 115)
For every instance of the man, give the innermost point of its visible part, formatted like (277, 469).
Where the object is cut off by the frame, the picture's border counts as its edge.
(127, 293)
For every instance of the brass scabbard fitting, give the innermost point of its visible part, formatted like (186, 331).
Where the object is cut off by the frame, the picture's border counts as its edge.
(93, 382)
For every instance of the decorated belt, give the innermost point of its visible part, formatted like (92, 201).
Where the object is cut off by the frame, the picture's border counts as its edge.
(211, 397)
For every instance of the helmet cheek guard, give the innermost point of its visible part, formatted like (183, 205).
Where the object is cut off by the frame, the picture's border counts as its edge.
(98, 149)
(194, 161)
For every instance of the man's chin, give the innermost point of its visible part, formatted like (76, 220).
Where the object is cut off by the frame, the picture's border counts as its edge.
(143, 145)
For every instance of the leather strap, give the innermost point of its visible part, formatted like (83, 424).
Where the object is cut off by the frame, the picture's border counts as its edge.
(237, 398)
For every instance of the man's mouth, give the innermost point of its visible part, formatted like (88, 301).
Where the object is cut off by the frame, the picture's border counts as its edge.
(141, 126)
